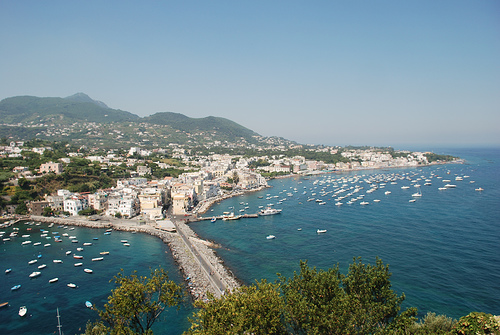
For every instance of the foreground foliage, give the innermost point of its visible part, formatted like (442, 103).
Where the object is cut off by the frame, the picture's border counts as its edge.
(136, 303)
(311, 302)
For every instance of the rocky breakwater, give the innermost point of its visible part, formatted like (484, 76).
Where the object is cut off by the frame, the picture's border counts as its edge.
(207, 275)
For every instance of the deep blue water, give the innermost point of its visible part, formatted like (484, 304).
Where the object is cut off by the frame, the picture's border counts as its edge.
(443, 249)
(42, 298)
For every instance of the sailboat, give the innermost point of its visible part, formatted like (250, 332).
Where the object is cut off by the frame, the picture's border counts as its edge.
(418, 194)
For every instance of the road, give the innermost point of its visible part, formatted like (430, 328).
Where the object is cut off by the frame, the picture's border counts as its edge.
(213, 276)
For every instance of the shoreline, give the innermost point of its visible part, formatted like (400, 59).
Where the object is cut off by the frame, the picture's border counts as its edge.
(198, 282)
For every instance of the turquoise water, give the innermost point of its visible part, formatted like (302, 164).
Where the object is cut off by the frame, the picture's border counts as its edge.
(443, 249)
(43, 298)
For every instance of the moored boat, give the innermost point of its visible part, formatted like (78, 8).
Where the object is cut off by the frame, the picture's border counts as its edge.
(320, 231)
(97, 259)
(15, 287)
(3, 304)
(270, 237)
(71, 285)
(78, 264)
(88, 270)
(35, 274)
(104, 253)
(53, 280)
(88, 304)
(22, 311)
(270, 211)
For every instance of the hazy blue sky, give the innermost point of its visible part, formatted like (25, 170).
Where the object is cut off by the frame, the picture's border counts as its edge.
(324, 72)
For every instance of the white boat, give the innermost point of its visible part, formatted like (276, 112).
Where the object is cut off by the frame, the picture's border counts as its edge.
(53, 280)
(25, 242)
(33, 261)
(126, 244)
(387, 192)
(97, 259)
(57, 261)
(364, 203)
(68, 252)
(16, 287)
(441, 188)
(320, 231)
(450, 186)
(479, 189)
(86, 244)
(46, 245)
(104, 253)
(213, 219)
(88, 270)
(88, 304)
(78, 264)
(376, 200)
(269, 211)
(405, 187)
(35, 274)
(270, 237)
(22, 311)
(71, 285)
(411, 200)
(79, 249)
(42, 266)
(77, 256)
(418, 194)
(8, 270)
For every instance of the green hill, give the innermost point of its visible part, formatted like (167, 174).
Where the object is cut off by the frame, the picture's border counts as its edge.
(229, 129)
(32, 110)
(80, 119)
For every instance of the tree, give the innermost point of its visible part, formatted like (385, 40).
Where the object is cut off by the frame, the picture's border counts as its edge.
(47, 211)
(136, 303)
(311, 302)
(255, 309)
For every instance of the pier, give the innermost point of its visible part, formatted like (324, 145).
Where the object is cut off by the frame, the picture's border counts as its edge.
(202, 269)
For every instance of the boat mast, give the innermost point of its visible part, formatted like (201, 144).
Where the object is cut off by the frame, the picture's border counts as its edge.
(59, 322)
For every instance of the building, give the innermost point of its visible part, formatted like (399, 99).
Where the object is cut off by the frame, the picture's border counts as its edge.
(57, 168)
(36, 207)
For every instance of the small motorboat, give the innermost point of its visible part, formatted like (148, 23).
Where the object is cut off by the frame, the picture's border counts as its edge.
(88, 270)
(16, 287)
(22, 311)
(68, 252)
(270, 237)
(104, 253)
(53, 280)
(8, 271)
(33, 261)
(57, 261)
(78, 264)
(88, 304)
(42, 266)
(97, 259)
(71, 285)
(320, 231)
(3, 304)
(35, 274)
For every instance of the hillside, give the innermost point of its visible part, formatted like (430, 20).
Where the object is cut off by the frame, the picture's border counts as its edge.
(28, 110)
(82, 120)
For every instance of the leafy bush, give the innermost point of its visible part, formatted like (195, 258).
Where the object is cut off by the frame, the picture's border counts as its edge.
(433, 324)
(477, 323)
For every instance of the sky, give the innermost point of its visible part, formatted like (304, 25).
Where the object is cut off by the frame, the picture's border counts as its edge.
(382, 73)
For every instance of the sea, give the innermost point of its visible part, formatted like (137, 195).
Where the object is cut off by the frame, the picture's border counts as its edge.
(442, 247)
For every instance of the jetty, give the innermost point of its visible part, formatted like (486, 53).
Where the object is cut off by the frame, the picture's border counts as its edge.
(202, 269)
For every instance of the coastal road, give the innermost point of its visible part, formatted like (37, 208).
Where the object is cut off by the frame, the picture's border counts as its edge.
(213, 276)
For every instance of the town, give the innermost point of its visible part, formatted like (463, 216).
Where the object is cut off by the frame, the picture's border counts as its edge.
(192, 183)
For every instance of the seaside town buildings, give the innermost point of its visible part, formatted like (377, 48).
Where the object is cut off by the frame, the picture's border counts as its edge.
(206, 178)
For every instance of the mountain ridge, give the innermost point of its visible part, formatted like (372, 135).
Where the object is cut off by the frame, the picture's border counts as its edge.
(50, 116)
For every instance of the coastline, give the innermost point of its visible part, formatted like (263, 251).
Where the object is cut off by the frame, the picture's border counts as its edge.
(203, 270)
(197, 281)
